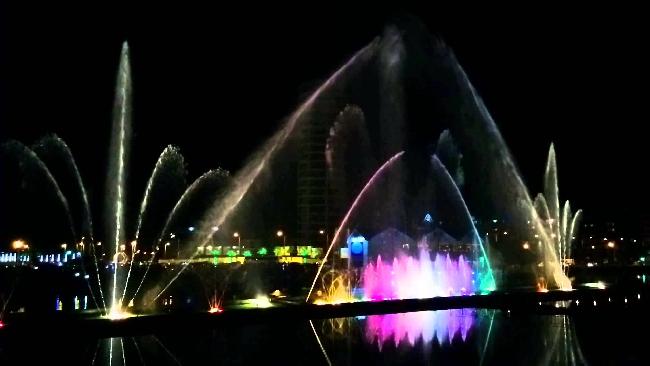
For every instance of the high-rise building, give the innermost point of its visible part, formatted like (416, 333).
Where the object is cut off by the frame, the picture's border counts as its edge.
(316, 208)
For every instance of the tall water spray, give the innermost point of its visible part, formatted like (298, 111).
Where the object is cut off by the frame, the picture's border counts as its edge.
(559, 225)
(117, 166)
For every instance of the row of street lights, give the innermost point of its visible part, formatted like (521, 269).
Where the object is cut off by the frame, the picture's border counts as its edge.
(19, 244)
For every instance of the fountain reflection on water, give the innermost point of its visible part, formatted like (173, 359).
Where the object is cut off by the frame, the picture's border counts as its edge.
(443, 326)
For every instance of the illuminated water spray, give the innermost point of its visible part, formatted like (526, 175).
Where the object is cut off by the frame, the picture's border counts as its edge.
(251, 171)
(405, 276)
(170, 160)
(558, 224)
(344, 222)
(53, 150)
(118, 155)
(207, 179)
(31, 164)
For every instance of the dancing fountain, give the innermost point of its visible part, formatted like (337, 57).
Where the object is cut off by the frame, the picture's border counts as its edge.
(559, 225)
(383, 169)
(52, 161)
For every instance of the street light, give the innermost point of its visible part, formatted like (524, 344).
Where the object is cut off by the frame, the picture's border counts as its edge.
(166, 245)
(611, 245)
(280, 234)
(236, 235)
(526, 246)
(327, 236)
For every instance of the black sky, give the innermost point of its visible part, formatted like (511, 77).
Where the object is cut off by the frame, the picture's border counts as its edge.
(216, 82)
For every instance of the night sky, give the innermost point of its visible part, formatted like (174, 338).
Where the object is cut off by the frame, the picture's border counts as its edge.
(217, 82)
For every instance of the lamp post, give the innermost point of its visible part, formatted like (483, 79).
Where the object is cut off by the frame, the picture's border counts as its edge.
(327, 236)
(166, 245)
(214, 230)
(236, 235)
(280, 234)
(611, 245)
(171, 236)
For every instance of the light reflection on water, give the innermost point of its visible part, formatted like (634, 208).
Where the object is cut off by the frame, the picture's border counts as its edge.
(443, 326)
(447, 337)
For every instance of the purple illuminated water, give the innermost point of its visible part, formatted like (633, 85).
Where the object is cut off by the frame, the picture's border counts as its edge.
(442, 325)
(407, 277)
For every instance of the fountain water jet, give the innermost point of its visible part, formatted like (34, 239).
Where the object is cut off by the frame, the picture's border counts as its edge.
(410, 278)
(559, 225)
(170, 160)
(28, 160)
(116, 179)
(344, 222)
(251, 171)
(212, 180)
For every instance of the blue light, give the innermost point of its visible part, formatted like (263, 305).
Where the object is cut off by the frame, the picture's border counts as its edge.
(428, 218)
(357, 247)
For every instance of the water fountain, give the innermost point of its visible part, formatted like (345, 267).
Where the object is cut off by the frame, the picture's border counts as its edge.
(52, 162)
(414, 181)
(407, 277)
(559, 225)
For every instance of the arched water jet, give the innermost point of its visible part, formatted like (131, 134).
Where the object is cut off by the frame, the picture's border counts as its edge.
(348, 153)
(55, 152)
(388, 281)
(344, 222)
(391, 93)
(487, 281)
(170, 163)
(213, 181)
(489, 163)
(52, 150)
(28, 159)
(251, 171)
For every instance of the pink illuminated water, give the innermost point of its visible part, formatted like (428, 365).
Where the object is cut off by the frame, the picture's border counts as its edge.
(442, 325)
(406, 277)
